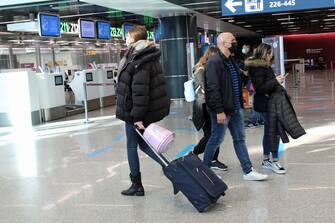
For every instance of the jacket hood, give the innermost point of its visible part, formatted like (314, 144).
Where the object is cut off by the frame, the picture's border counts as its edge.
(257, 63)
(149, 53)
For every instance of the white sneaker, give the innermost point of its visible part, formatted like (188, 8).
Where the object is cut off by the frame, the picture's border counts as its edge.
(274, 166)
(255, 176)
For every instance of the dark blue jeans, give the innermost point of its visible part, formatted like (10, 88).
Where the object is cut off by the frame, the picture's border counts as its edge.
(133, 141)
(236, 127)
(266, 148)
(254, 117)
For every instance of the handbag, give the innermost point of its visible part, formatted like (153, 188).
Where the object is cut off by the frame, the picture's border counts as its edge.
(189, 91)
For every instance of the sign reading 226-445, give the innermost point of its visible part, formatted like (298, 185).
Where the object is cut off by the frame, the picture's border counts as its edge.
(241, 7)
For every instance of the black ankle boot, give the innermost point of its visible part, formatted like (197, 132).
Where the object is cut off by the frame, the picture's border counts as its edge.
(136, 188)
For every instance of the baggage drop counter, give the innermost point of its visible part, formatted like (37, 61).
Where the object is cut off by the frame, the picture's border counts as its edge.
(107, 92)
(52, 96)
(19, 97)
(77, 85)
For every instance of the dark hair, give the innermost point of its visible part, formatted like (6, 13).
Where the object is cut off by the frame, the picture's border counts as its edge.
(203, 60)
(138, 33)
(262, 51)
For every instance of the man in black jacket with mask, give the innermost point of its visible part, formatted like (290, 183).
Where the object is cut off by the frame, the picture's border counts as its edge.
(224, 99)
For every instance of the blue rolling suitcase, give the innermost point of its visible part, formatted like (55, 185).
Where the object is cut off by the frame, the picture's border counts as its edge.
(196, 181)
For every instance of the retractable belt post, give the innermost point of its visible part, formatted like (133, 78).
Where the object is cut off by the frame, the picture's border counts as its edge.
(85, 104)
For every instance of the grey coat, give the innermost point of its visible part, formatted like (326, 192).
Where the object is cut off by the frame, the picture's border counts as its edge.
(198, 117)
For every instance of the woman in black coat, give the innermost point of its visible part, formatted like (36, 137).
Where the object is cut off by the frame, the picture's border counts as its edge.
(265, 83)
(141, 99)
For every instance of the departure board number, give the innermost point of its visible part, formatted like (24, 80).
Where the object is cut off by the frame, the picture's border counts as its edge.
(278, 4)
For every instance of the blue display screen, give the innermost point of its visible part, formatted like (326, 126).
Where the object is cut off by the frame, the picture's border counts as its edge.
(202, 39)
(157, 32)
(215, 39)
(49, 25)
(87, 29)
(126, 28)
(104, 30)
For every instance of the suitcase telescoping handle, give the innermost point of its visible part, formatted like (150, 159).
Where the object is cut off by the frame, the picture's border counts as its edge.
(163, 159)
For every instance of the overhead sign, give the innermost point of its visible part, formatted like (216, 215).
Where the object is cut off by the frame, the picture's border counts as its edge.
(242, 7)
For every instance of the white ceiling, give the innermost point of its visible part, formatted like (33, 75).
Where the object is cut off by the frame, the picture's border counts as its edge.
(161, 8)
(16, 2)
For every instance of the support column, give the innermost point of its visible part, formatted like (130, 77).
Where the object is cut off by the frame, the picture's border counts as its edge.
(53, 58)
(11, 57)
(38, 56)
(175, 32)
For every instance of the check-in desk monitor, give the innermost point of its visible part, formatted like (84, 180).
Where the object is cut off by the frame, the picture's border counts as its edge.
(58, 80)
(89, 77)
(110, 74)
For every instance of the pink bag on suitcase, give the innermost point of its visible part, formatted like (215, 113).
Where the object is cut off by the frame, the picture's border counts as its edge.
(159, 138)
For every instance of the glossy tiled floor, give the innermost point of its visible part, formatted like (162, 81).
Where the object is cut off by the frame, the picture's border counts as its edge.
(71, 172)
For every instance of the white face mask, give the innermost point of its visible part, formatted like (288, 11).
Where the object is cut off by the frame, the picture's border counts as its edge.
(245, 50)
(128, 42)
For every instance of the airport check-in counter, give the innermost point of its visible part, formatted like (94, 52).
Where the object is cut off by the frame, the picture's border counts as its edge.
(52, 96)
(77, 86)
(107, 92)
(19, 95)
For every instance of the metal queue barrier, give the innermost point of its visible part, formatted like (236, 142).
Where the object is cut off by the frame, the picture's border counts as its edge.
(298, 69)
(94, 98)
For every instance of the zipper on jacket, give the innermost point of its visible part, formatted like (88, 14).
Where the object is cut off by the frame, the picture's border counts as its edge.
(125, 66)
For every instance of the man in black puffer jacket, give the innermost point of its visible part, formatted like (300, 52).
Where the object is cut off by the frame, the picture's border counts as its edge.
(141, 99)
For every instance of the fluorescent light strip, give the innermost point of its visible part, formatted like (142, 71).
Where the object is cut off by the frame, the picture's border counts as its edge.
(329, 20)
(286, 23)
(16, 21)
(284, 19)
(239, 23)
(331, 15)
(248, 26)
(315, 20)
(200, 3)
(285, 13)
(312, 11)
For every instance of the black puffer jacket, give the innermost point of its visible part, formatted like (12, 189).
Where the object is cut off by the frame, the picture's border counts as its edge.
(272, 98)
(141, 90)
(264, 81)
(282, 119)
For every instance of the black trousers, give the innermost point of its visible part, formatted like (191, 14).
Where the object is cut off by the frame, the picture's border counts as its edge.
(200, 148)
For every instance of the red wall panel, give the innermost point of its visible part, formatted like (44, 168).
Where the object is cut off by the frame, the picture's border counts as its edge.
(296, 45)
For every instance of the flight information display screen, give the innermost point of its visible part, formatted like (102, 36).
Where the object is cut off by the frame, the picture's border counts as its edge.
(87, 29)
(104, 30)
(49, 25)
